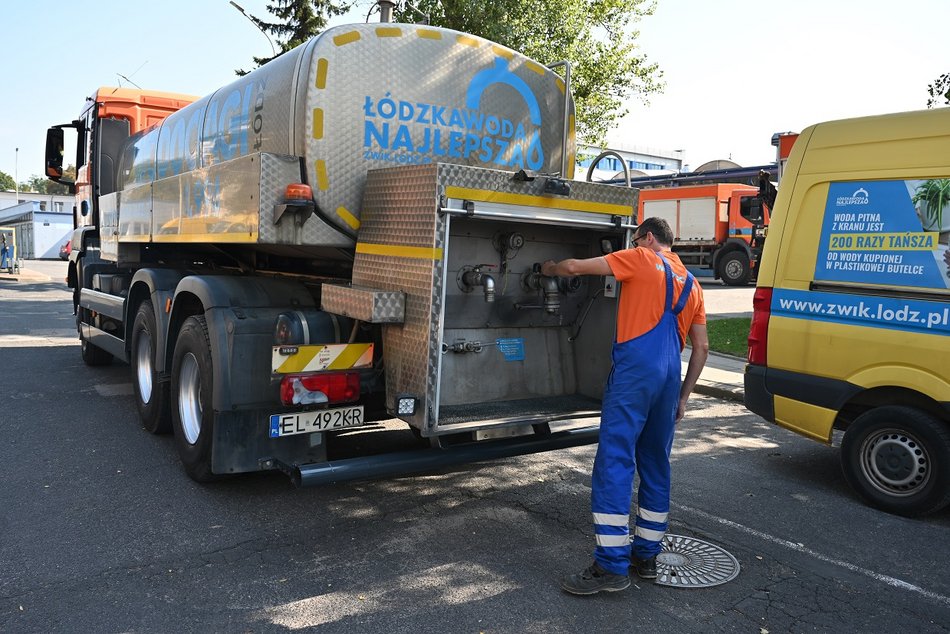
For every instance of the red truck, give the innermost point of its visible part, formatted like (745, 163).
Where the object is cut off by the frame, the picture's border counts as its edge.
(717, 227)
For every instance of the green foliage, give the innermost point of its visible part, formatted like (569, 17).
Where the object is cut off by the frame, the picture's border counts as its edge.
(730, 335)
(940, 89)
(935, 194)
(6, 182)
(596, 36)
(295, 22)
(41, 185)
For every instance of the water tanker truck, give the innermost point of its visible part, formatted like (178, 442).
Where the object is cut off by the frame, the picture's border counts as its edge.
(350, 233)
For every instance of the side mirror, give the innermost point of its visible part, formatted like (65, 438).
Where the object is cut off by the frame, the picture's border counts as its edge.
(55, 148)
(55, 143)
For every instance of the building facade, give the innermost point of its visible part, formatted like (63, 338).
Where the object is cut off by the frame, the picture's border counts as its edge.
(35, 224)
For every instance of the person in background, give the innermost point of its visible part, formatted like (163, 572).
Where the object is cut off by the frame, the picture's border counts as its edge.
(4, 253)
(660, 304)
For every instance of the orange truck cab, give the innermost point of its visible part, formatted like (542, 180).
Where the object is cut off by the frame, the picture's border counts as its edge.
(719, 229)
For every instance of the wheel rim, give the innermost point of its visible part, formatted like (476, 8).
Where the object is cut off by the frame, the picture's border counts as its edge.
(733, 269)
(143, 366)
(189, 397)
(895, 462)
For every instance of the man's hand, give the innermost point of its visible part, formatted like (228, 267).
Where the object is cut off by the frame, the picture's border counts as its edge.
(548, 268)
(680, 409)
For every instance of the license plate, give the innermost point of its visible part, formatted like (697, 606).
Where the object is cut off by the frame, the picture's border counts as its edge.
(322, 420)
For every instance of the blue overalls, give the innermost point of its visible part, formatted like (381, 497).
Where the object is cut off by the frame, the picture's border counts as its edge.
(638, 419)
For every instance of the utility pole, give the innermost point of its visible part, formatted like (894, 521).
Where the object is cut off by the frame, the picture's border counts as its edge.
(241, 9)
(16, 176)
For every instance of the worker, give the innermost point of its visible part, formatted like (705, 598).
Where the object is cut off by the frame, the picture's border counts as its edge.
(660, 302)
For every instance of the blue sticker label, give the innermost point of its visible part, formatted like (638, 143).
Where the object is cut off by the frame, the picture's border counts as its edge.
(886, 232)
(512, 348)
(910, 315)
(274, 426)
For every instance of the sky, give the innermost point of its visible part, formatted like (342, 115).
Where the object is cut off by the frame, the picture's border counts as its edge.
(736, 71)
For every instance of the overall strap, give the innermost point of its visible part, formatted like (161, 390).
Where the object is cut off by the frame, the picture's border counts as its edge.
(687, 287)
(668, 302)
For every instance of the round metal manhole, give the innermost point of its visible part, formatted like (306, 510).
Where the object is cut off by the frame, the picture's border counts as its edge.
(687, 562)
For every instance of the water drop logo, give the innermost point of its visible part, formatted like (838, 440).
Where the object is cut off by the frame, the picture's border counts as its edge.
(500, 74)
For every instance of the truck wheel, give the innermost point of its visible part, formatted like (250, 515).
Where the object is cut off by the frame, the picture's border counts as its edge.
(93, 355)
(191, 387)
(898, 460)
(151, 394)
(734, 269)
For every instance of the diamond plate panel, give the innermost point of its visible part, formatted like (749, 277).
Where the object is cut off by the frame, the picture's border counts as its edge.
(366, 304)
(399, 210)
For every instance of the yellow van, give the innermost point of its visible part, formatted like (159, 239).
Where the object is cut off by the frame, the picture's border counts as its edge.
(851, 322)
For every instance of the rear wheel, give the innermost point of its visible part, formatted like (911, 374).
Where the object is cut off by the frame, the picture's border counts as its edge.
(898, 460)
(191, 398)
(734, 269)
(93, 355)
(151, 394)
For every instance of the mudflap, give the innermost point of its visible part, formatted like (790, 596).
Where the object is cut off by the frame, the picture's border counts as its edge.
(242, 444)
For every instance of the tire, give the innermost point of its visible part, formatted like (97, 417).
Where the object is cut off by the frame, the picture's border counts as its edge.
(152, 395)
(93, 356)
(191, 398)
(898, 460)
(734, 269)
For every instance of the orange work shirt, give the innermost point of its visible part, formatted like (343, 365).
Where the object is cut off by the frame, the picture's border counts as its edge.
(643, 296)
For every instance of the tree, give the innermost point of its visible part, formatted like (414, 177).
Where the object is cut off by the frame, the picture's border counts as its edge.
(594, 35)
(940, 89)
(42, 185)
(296, 22)
(6, 182)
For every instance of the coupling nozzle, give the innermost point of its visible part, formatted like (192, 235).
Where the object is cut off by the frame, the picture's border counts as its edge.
(474, 277)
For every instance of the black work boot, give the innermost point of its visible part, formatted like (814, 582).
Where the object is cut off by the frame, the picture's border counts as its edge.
(646, 568)
(593, 580)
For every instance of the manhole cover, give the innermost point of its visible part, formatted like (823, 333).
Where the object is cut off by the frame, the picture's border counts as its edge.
(687, 562)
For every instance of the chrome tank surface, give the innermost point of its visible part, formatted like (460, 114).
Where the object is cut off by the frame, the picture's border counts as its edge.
(354, 98)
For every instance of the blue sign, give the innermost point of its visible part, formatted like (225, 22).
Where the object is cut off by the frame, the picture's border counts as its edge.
(873, 233)
(512, 348)
(893, 313)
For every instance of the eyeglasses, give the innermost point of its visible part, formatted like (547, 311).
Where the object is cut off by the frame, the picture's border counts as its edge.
(637, 239)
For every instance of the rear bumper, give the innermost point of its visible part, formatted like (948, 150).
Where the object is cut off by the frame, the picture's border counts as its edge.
(758, 399)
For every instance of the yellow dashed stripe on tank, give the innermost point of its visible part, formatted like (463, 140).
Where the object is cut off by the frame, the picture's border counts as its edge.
(321, 81)
(535, 68)
(318, 123)
(346, 38)
(348, 217)
(316, 358)
(429, 34)
(503, 52)
(320, 167)
(419, 253)
(468, 41)
(388, 31)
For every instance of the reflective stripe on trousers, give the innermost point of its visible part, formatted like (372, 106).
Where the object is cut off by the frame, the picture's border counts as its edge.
(636, 435)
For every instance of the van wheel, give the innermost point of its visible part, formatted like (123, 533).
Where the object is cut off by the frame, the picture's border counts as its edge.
(191, 402)
(898, 460)
(151, 394)
(734, 269)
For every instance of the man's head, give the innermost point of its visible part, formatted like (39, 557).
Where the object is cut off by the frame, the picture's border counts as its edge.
(660, 230)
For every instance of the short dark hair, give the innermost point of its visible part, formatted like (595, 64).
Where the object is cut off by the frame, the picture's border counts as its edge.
(659, 228)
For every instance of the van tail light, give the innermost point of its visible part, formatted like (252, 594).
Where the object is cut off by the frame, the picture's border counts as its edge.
(759, 331)
(323, 387)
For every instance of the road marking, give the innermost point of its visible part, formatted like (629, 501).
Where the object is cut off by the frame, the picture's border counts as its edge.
(891, 581)
(27, 341)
